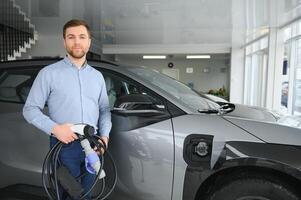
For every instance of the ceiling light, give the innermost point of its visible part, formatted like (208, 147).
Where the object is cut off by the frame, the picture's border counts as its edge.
(154, 57)
(198, 57)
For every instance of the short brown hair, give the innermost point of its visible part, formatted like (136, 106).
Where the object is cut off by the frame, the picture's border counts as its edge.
(76, 22)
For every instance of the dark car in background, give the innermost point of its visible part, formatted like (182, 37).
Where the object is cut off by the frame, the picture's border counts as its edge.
(168, 141)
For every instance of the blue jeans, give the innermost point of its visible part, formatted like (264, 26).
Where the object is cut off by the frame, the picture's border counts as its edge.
(72, 156)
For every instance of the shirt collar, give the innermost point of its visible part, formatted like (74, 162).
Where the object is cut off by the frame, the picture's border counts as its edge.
(69, 63)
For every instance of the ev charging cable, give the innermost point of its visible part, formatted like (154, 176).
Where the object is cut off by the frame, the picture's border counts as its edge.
(92, 160)
(53, 173)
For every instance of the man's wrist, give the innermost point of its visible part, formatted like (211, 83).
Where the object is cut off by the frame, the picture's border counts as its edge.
(104, 140)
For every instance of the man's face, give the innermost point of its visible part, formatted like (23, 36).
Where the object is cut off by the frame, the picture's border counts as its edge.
(77, 41)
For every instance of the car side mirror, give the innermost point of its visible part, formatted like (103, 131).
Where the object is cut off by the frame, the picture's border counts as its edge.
(137, 105)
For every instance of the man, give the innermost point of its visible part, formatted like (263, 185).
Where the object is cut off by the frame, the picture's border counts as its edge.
(75, 93)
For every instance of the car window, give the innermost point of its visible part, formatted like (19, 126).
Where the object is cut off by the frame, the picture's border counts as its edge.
(117, 86)
(15, 84)
(175, 88)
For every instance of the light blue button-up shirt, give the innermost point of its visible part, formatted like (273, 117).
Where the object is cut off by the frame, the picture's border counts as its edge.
(73, 96)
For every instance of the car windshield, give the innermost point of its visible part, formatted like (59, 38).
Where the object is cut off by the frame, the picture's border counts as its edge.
(175, 88)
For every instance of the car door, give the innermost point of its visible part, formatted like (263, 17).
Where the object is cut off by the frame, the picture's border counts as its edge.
(23, 147)
(142, 147)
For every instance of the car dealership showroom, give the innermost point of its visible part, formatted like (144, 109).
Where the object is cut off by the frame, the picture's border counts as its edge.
(150, 99)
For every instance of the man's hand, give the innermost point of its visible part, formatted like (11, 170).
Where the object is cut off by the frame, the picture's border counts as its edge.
(64, 133)
(104, 140)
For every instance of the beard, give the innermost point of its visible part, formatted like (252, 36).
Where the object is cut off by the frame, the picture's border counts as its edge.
(76, 53)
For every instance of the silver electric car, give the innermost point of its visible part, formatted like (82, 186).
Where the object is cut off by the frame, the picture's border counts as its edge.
(168, 141)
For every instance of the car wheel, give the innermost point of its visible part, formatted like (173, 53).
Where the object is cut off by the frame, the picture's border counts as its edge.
(252, 188)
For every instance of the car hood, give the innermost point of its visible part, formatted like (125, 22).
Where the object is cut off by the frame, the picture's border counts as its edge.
(266, 115)
(266, 125)
(252, 112)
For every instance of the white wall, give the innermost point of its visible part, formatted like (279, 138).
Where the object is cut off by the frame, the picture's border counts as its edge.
(50, 29)
(213, 79)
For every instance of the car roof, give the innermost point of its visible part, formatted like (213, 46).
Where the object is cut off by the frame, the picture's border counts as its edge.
(46, 61)
(24, 63)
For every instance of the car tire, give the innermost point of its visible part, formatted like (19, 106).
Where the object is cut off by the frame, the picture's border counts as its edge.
(253, 188)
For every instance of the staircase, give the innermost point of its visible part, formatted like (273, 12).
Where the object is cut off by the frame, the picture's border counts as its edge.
(17, 34)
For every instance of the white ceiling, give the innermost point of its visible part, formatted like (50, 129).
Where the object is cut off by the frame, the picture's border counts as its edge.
(175, 26)
(169, 26)
(169, 21)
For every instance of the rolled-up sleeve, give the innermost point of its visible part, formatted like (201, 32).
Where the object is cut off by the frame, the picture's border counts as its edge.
(36, 100)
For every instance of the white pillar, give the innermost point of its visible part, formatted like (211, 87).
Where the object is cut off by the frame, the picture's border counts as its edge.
(237, 75)
(275, 64)
(237, 53)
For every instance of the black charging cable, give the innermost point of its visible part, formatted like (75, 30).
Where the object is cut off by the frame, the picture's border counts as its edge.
(54, 174)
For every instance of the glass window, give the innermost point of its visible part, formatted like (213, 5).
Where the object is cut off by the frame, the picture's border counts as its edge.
(298, 52)
(255, 81)
(291, 73)
(287, 33)
(285, 80)
(117, 86)
(176, 89)
(297, 92)
(15, 84)
(247, 82)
